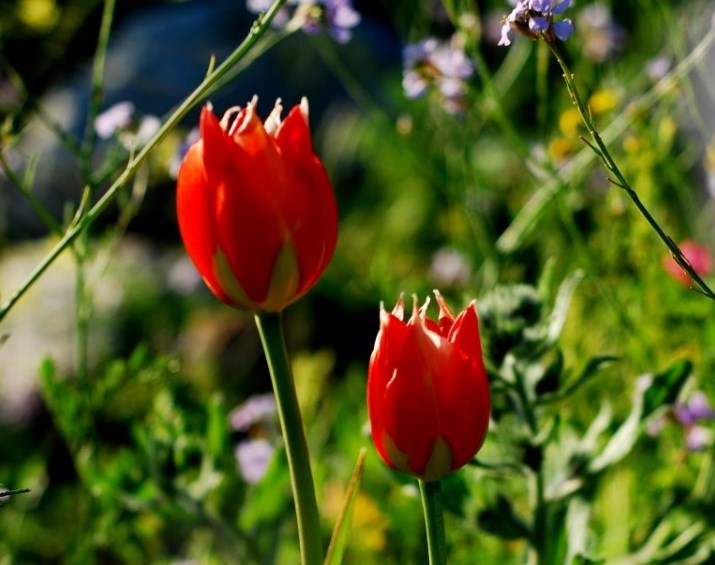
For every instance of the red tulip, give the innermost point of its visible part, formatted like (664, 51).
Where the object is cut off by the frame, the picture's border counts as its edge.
(427, 390)
(256, 209)
(697, 255)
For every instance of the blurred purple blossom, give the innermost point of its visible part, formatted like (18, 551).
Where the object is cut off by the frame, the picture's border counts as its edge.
(602, 36)
(697, 438)
(116, 117)
(688, 415)
(258, 409)
(253, 457)
(696, 408)
(122, 120)
(535, 18)
(657, 68)
(439, 64)
(279, 20)
(337, 17)
(449, 268)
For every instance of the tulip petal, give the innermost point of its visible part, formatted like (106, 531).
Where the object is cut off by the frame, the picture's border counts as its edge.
(228, 283)
(195, 212)
(293, 141)
(411, 413)
(388, 347)
(253, 208)
(465, 332)
(440, 461)
(215, 144)
(284, 281)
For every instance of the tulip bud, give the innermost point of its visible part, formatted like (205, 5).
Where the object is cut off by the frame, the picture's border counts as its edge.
(427, 390)
(256, 209)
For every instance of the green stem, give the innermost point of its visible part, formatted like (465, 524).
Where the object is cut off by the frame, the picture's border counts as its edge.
(257, 30)
(95, 101)
(271, 331)
(599, 147)
(434, 522)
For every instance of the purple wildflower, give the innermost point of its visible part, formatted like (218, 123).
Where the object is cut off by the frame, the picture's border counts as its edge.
(257, 409)
(449, 268)
(438, 64)
(602, 36)
(657, 68)
(279, 20)
(696, 408)
(697, 438)
(253, 457)
(688, 415)
(535, 18)
(116, 117)
(337, 17)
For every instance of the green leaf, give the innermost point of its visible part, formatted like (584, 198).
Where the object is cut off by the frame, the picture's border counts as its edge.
(561, 306)
(217, 428)
(662, 389)
(339, 538)
(594, 366)
(665, 387)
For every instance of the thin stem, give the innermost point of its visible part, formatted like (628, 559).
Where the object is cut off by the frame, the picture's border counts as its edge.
(602, 151)
(257, 30)
(434, 522)
(306, 507)
(95, 100)
(14, 492)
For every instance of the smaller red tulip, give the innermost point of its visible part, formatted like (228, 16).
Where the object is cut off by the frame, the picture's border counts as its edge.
(699, 258)
(256, 209)
(427, 391)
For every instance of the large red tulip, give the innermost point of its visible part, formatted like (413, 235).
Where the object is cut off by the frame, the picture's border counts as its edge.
(256, 209)
(427, 390)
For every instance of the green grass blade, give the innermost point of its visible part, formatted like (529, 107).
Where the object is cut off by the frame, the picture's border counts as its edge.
(339, 538)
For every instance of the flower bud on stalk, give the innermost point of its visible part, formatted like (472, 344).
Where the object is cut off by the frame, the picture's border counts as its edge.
(427, 391)
(256, 209)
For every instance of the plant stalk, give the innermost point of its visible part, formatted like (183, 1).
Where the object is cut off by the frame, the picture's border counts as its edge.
(600, 149)
(434, 522)
(271, 331)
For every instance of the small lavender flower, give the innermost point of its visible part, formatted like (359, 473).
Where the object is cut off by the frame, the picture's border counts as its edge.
(256, 410)
(438, 64)
(337, 17)
(535, 18)
(657, 68)
(148, 126)
(449, 268)
(279, 20)
(695, 409)
(602, 36)
(116, 117)
(697, 438)
(253, 457)
(688, 415)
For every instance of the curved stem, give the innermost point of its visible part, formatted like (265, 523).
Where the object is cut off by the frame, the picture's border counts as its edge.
(271, 331)
(599, 147)
(434, 522)
(212, 78)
